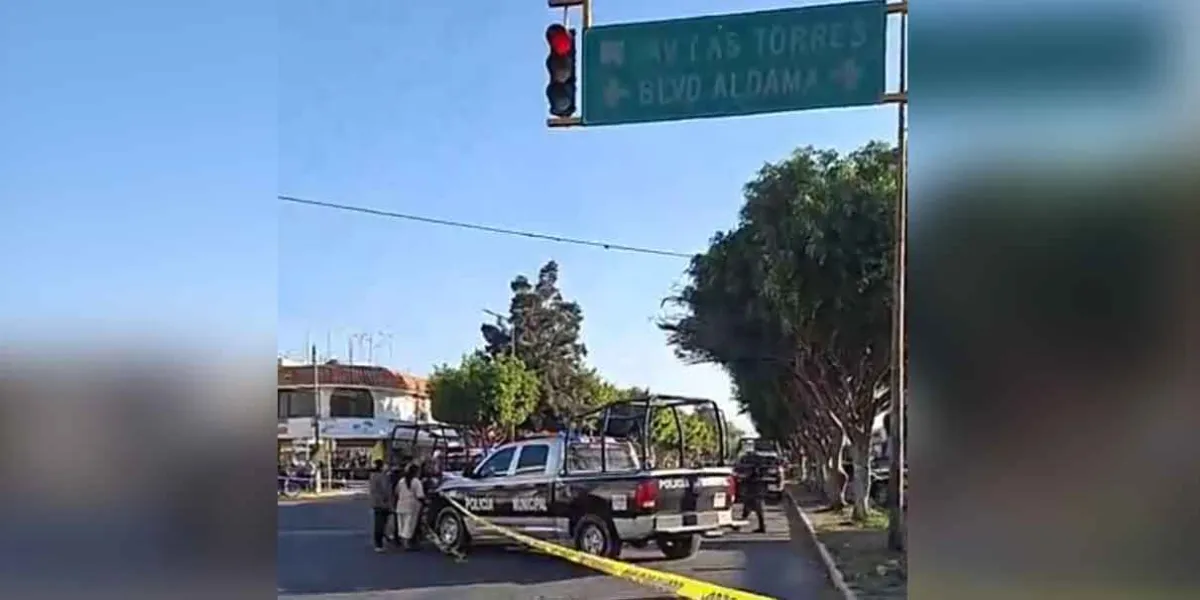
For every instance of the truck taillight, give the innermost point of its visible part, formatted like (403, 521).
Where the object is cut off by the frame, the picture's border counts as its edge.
(646, 493)
(731, 487)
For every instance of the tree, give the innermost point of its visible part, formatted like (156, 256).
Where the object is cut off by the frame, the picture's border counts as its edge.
(543, 331)
(733, 436)
(795, 302)
(700, 438)
(595, 391)
(699, 435)
(484, 393)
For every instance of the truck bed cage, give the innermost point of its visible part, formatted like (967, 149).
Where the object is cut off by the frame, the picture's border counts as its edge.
(437, 435)
(642, 409)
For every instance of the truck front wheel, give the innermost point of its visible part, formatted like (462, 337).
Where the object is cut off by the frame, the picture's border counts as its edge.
(451, 531)
(681, 546)
(596, 536)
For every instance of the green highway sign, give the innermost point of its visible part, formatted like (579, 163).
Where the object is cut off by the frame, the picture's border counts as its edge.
(804, 58)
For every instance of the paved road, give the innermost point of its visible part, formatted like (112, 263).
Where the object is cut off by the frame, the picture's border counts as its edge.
(324, 552)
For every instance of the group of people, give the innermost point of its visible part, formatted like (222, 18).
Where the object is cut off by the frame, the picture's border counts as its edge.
(396, 498)
(352, 464)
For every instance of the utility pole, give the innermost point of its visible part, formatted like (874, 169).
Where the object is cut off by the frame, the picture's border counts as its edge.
(316, 421)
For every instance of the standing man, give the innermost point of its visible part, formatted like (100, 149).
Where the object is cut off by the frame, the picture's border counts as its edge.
(381, 503)
(753, 501)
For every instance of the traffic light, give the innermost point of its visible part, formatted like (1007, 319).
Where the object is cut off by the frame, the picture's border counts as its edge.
(560, 93)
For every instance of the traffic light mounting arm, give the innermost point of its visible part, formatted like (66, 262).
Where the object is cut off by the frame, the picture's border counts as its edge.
(559, 122)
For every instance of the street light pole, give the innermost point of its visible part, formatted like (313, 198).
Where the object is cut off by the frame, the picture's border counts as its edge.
(316, 420)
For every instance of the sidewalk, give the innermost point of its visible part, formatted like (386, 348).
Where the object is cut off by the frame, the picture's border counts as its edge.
(869, 569)
(804, 557)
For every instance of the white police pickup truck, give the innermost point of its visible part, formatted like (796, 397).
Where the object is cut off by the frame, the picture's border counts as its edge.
(592, 493)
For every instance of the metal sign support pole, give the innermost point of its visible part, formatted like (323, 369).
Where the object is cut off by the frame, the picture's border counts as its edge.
(899, 383)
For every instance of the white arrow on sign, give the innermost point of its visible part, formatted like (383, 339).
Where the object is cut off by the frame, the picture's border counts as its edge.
(612, 52)
(614, 92)
(848, 74)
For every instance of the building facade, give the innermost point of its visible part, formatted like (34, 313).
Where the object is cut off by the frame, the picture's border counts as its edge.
(350, 409)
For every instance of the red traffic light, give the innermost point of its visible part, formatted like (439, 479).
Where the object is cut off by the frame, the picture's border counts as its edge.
(560, 40)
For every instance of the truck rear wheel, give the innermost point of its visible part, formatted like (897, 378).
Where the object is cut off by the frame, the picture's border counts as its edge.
(596, 536)
(681, 546)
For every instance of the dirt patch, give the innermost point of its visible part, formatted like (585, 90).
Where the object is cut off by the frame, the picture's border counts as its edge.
(860, 550)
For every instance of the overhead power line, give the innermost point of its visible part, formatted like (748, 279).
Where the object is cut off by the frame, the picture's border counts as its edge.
(485, 228)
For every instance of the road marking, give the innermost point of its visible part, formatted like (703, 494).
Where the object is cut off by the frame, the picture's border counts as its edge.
(321, 532)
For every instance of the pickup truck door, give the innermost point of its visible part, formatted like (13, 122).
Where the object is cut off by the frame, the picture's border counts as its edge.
(483, 494)
(529, 502)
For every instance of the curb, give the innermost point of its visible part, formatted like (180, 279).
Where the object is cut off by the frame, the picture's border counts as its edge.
(831, 568)
(320, 497)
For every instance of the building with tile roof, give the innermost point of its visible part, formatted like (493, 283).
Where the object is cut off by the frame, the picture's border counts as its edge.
(355, 406)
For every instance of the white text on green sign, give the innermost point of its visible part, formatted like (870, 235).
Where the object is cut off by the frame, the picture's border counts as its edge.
(769, 61)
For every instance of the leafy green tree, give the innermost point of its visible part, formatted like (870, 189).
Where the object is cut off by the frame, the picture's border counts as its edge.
(699, 433)
(733, 435)
(543, 330)
(795, 303)
(595, 391)
(700, 438)
(484, 393)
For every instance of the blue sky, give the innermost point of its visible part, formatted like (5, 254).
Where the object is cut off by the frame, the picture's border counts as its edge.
(138, 161)
(146, 141)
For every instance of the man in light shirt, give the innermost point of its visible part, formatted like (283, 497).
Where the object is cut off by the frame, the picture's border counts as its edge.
(382, 502)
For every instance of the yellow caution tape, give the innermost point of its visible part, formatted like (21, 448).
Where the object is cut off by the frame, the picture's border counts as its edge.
(683, 587)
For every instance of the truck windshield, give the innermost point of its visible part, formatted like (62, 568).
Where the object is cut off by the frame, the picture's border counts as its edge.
(585, 457)
(764, 446)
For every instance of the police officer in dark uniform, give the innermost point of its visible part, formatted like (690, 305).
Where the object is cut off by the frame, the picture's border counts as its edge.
(753, 490)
